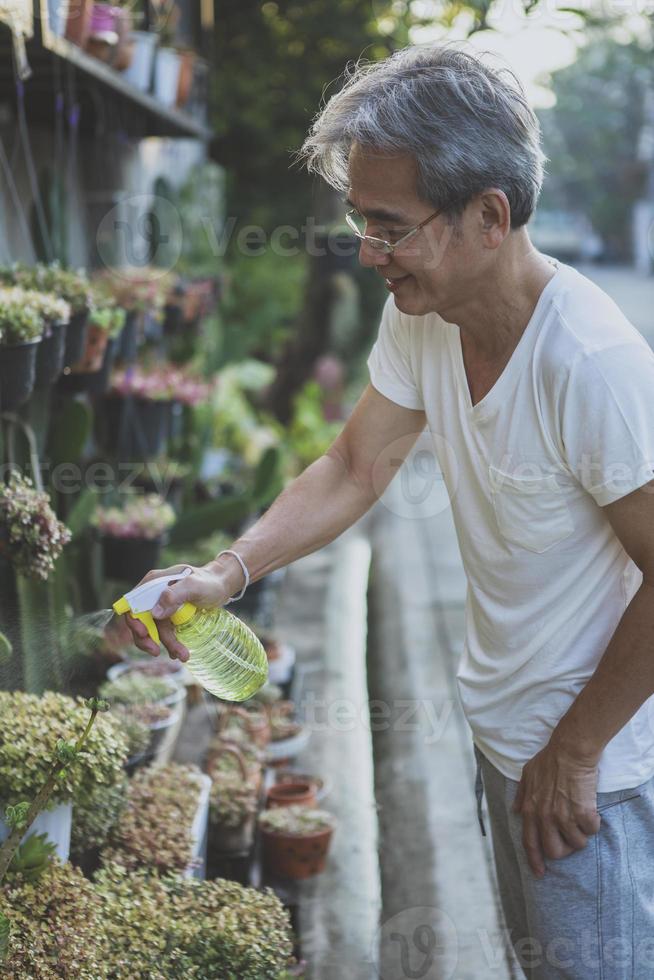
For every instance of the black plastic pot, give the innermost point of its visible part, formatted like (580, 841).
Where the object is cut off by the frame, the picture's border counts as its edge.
(128, 559)
(93, 382)
(128, 342)
(135, 428)
(173, 321)
(76, 337)
(50, 356)
(17, 373)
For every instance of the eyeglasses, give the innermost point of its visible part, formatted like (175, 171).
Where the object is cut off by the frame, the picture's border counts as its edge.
(356, 222)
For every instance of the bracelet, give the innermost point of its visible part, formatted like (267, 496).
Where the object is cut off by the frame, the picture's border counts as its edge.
(245, 572)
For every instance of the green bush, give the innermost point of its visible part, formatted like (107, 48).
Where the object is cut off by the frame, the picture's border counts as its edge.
(173, 928)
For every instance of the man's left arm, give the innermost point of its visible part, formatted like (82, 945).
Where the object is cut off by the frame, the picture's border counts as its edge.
(557, 791)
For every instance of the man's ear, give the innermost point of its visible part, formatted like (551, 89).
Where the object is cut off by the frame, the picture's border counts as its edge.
(495, 216)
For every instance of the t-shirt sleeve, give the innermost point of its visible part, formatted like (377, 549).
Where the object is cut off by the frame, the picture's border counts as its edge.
(607, 420)
(389, 362)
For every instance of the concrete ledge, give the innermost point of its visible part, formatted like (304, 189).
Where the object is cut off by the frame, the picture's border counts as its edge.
(323, 614)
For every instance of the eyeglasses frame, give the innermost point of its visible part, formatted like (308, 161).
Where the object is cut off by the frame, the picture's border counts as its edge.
(380, 244)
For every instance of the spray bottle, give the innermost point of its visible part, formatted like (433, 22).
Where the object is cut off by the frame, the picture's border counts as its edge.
(225, 656)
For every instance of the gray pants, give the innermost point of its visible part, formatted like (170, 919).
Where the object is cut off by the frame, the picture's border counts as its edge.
(591, 917)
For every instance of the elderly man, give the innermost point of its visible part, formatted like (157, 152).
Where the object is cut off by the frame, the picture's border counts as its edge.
(543, 395)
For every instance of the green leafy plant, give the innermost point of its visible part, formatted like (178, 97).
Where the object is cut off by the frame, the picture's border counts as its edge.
(111, 319)
(297, 819)
(33, 856)
(155, 829)
(31, 536)
(171, 928)
(98, 811)
(20, 321)
(33, 731)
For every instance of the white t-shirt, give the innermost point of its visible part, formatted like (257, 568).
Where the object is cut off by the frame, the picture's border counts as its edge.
(566, 429)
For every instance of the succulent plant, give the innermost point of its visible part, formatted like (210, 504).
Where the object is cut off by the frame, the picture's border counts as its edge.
(161, 383)
(20, 321)
(296, 819)
(33, 857)
(233, 800)
(155, 828)
(73, 287)
(31, 536)
(144, 516)
(148, 715)
(135, 687)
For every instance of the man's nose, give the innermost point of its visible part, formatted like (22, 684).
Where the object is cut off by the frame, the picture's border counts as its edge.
(370, 257)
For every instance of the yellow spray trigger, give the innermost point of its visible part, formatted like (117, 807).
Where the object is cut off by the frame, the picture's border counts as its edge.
(150, 625)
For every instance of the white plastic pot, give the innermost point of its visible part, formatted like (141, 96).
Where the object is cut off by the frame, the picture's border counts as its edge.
(167, 67)
(56, 823)
(200, 831)
(139, 73)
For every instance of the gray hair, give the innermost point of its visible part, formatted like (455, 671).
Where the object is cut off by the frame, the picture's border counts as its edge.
(467, 127)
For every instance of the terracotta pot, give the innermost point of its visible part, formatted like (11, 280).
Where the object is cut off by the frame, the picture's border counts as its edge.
(258, 728)
(288, 793)
(294, 855)
(94, 350)
(78, 25)
(185, 82)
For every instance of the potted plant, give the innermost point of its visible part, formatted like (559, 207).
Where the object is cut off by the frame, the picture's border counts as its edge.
(31, 536)
(55, 314)
(292, 792)
(56, 925)
(21, 328)
(155, 702)
(164, 823)
(72, 286)
(296, 840)
(175, 927)
(92, 372)
(132, 535)
(233, 801)
(96, 813)
(32, 731)
(137, 413)
(254, 722)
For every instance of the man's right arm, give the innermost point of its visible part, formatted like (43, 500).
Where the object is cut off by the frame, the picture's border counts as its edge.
(322, 502)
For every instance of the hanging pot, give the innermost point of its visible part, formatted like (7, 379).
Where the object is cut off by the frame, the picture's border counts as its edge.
(93, 355)
(93, 382)
(17, 373)
(76, 337)
(129, 339)
(50, 355)
(78, 24)
(294, 855)
(173, 319)
(139, 72)
(167, 66)
(136, 428)
(129, 559)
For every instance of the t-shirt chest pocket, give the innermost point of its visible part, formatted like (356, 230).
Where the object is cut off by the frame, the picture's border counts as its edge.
(531, 511)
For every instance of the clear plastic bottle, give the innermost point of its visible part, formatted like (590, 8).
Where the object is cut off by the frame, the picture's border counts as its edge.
(225, 655)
